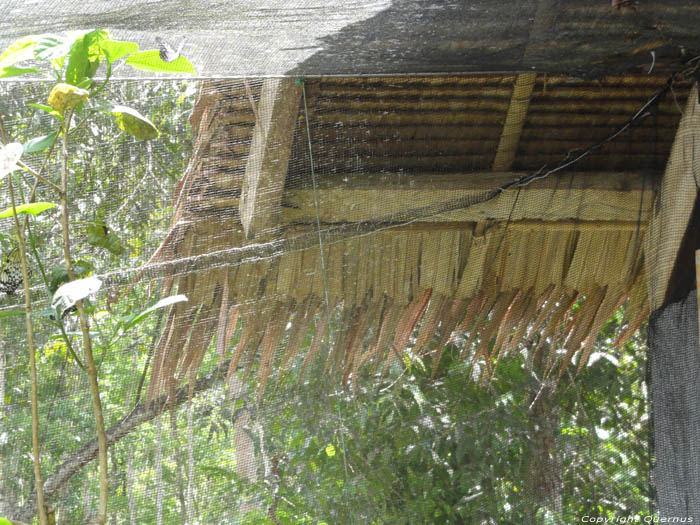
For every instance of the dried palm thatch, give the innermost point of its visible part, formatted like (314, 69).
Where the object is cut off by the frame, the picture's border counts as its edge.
(496, 275)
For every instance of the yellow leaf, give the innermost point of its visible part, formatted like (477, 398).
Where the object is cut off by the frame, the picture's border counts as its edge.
(65, 96)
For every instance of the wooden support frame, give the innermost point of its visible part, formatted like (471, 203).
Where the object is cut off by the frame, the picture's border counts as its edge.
(268, 159)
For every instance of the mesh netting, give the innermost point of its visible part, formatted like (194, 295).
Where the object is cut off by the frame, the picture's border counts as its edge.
(409, 299)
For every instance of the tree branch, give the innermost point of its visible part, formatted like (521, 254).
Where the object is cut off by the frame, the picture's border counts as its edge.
(141, 414)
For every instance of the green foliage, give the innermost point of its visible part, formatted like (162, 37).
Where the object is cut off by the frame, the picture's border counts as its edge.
(446, 450)
(84, 58)
(75, 58)
(115, 49)
(96, 183)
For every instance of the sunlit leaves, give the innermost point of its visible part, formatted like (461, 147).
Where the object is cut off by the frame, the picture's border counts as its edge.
(166, 301)
(18, 51)
(13, 71)
(54, 47)
(33, 208)
(115, 49)
(46, 109)
(135, 124)
(85, 56)
(150, 61)
(76, 56)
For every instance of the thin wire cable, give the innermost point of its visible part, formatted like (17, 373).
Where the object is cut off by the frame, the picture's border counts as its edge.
(323, 266)
(316, 206)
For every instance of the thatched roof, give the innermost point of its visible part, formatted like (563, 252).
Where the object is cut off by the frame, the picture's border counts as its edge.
(492, 275)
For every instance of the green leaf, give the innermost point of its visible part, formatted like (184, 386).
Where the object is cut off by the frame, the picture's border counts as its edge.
(150, 61)
(34, 208)
(330, 450)
(59, 275)
(129, 120)
(134, 123)
(115, 49)
(417, 395)
(22, 49)
(101, 236)
(40, 143)
(50, 46)
(56, 49)
(13, 71)
(166, 301)
(4, 521)
(85, 56)
(11, 313)
(46, 109)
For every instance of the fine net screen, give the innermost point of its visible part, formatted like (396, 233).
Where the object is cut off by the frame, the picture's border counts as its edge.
(391, 299)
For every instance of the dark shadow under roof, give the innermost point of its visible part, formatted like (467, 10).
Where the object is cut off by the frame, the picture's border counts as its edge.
(585, 38)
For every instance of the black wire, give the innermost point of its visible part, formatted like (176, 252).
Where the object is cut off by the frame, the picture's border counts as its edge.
(571, 158)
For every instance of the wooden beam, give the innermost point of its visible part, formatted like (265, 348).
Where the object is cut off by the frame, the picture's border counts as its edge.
(268, 159)
(620, 196)
(674, 204)
(515, 118)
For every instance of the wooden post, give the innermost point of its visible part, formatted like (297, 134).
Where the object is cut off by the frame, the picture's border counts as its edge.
(268, 159)
(672, 332)
(673, 205)
(697, 284)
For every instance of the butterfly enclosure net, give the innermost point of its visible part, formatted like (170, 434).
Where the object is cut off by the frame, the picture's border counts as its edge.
(343, 299)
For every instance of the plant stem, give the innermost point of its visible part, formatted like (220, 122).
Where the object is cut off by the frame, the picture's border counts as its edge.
(43, 520)
(87, 342)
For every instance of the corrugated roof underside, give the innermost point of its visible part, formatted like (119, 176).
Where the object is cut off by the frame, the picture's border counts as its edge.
(453, 124)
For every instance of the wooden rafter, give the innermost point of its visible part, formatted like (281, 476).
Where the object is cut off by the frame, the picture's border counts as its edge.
(268, 159)
(522, 92)
(515, 118)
